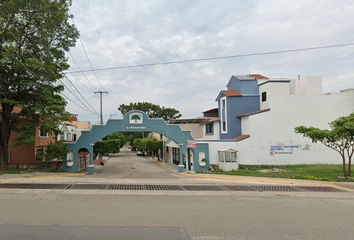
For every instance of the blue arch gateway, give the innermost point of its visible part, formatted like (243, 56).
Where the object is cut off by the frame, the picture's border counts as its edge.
(136, 121)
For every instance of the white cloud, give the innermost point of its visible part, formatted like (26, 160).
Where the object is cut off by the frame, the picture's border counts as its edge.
(124, 33)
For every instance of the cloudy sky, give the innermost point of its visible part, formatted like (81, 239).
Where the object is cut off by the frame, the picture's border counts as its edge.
(120, 33)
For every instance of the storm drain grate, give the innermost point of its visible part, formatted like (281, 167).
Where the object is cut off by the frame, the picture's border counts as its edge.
(164, 187)
(236, 188)
(201, 188)
(239, 188)
(276, 189)
(90, 186)
(319, 189)
(35, 185)
(126, 187)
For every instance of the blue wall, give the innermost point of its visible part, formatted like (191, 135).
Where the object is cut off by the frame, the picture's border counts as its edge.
(235, 106)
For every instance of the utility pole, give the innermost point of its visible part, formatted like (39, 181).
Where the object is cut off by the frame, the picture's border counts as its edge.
(100, 92)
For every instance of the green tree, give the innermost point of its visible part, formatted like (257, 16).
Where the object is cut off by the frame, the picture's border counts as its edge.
(340, 138)
(152, 110)
(151, 145)
(117, 135)
(34, 35)
(106, 147)
(131, 136)
(55, 151)
(138, 144)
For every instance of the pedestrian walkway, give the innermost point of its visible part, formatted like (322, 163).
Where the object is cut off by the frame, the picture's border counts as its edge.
(40, 174)
(177, 178)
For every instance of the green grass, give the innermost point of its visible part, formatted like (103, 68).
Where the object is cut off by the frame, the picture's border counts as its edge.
(309, 172)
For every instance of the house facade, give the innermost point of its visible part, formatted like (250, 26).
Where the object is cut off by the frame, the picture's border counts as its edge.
(31, 156)
(257, 116)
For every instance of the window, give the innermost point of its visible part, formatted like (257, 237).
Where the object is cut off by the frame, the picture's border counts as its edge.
(42, 133)
(61, 137)
(223, 104)
(39, 154)
(209, 128)
(228, 155)
(224, 126)
(264, 96)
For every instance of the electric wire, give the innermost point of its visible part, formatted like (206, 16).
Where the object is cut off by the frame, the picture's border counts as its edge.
(81, 71)
(89, 61)
(81, 95)
(218, 58)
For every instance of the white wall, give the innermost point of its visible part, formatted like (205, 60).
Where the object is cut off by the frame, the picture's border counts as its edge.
(245, 125)
(216, 131)
(272, 89)
(217, 145)
(195, 129)
(276, 128)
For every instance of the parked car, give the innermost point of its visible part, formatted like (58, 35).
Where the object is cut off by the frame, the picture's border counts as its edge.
(140, 153)
(129, 147)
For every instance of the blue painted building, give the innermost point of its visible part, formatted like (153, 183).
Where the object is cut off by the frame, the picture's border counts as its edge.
(241, 97)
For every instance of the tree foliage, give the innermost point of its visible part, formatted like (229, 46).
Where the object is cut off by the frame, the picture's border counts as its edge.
(137, 143)
(34, 35)
(106, 147)
(55, 151)
(117, 135)
(340, 138)
(152, 110)
(148, 144)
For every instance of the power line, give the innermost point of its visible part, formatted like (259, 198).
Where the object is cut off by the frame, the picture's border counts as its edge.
(81, 95)
(88, 59)
(80, 82)
(81, 71)
(217, 58)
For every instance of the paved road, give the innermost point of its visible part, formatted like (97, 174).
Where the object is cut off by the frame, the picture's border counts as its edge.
(80, 214)
(106, 214)
(127, 165)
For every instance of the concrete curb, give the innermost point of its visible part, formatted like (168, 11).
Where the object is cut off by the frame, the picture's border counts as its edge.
(50, 175)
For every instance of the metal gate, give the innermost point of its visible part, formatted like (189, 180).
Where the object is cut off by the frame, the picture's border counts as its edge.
(83, 162)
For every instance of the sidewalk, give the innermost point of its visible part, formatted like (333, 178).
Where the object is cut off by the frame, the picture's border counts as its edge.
(40, 174)
(207, 178)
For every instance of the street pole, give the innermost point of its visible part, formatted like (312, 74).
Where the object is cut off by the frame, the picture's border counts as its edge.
(100, 92)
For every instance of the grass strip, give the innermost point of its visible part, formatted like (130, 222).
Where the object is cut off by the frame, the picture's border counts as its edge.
(319, 172)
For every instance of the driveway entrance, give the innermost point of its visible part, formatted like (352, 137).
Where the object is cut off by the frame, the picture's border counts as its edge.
(127, 165)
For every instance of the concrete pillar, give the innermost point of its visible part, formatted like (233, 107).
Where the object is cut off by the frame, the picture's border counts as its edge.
(91, 166)
(181, 166)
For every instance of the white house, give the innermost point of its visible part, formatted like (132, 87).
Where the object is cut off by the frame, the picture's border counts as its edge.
(257, 116)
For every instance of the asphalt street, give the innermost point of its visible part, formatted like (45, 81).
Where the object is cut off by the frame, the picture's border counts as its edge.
(126, 214)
